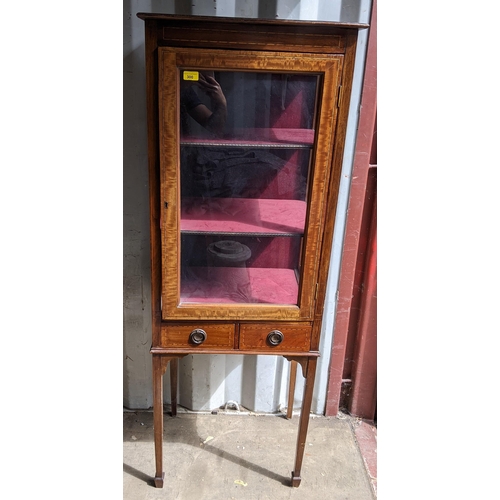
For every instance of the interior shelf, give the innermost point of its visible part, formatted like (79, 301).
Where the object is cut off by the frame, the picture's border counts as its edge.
(258, 138)
(250, 216)
(240, 285)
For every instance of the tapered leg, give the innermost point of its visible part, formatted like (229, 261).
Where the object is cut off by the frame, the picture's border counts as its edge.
(309, 373)
(158, 372)
(291, 388)
(174, 363)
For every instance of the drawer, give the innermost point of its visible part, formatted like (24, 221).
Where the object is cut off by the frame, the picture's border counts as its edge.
(287, 337)
(219, 336)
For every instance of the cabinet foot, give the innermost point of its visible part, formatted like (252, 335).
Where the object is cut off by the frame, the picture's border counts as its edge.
(296, 481)
(159, 480)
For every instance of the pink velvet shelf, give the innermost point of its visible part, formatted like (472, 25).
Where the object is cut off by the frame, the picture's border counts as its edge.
(243, 215)
(258, 138)
(226, 285)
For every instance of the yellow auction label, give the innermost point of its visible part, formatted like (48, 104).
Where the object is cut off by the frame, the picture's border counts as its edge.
(194, 76)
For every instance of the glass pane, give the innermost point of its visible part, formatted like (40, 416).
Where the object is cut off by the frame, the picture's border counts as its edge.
(246, 141)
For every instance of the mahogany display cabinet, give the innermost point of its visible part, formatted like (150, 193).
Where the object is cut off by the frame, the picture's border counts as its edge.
(246, 129)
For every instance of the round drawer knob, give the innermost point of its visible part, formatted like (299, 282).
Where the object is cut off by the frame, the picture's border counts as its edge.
(275, 337)
(198, 336)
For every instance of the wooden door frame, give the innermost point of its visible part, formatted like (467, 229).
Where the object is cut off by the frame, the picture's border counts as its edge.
(331, 68)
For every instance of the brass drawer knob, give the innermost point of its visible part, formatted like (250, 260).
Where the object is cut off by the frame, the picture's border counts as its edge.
(275, 337)
(198, 336)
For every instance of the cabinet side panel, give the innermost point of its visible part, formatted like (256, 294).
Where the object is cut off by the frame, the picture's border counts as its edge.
(154, 175)
(333, 187)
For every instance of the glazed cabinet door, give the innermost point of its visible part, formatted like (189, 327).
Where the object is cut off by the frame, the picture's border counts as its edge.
(246, 144)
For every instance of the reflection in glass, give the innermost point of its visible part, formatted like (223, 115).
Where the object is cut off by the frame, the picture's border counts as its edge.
(246, 141)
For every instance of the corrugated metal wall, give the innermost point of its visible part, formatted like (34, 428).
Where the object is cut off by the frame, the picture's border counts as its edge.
(209, 381)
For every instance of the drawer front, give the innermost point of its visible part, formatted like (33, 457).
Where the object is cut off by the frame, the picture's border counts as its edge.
(279, 337)
(189, 336)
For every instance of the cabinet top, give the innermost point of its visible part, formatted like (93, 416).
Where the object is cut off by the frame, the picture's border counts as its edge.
(147, 16)
(249, 34)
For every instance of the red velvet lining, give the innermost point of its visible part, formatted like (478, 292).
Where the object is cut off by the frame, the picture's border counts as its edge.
(240, 285)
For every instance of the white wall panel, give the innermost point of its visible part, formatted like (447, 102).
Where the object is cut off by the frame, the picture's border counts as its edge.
(246, 8)
(226, 8)
(206, 382)
(309, 10)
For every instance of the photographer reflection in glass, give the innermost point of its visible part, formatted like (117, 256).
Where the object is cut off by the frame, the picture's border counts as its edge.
(212, 119)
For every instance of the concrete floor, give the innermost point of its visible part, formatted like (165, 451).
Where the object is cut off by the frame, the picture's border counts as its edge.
(227, 456)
